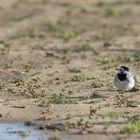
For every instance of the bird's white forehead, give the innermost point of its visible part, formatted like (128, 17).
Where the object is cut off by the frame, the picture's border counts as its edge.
(122, 70)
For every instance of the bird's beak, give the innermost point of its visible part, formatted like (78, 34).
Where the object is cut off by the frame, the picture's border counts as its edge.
(117, 69)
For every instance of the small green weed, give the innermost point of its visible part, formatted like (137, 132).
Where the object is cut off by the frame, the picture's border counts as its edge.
(111, 13)
(6, 49)
(124, 99)
(137, 57)
(62, 99)
(30, 32)
(23, 134)
(78, 78)
(104, 61)
(54, 137)
(111, 115)
(43, 101)
(124, 59)
(137, 85)
(29, 88)
(86, 47)
(85, 9)
(97, 83)
(132, 127)
(74, 70)
(53, 26)
(82, 77)
(65, 60)
(67, 35)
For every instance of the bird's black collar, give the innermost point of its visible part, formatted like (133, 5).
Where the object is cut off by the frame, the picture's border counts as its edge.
(122, 76)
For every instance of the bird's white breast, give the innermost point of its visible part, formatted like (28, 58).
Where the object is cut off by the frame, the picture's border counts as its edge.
(125, 85)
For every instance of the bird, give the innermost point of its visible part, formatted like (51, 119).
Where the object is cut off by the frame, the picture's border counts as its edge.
(124, 80)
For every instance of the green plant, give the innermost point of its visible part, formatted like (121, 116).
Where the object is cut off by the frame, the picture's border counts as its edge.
(67, 35)
(2, 41)
(23, 133)
(124, 59)
(53, 26)
(2, 84)
(6, 49)
(69, 125)
(43, 101)
(111, 13)
(133, 126)
(86, 47)
(54, 137)
(85, 9)
(82, 77)
(104, 61)
(137, 56)
(137, 85)
(97, 83)
(124, 99)
(77, 78)
(74, 70)
(65, 60)
(28, 67)
(61, 99)
(29, 32)
(65, 50)
(28, 87)
(111, 115)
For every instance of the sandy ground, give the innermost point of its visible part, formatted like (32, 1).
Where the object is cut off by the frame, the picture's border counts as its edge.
(58, 61)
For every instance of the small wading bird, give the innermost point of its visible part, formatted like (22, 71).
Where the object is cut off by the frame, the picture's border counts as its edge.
(124, 80)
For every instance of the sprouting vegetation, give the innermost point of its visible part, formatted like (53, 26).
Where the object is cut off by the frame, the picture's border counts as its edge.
(133, 126)
(124, 99)
(23, 134)
(111, 115)
(58, 29)
(55, 137)
(86, 47)
(97, 83)
(27, 87)
(111, 13)
(82, 77)
(57, 99)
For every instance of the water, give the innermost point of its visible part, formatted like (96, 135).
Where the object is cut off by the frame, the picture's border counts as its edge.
(19, 131)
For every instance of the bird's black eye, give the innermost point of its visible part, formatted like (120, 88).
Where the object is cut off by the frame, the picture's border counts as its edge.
(125, 68)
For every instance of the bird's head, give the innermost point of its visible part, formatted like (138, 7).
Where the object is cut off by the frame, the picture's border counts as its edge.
(123, 69)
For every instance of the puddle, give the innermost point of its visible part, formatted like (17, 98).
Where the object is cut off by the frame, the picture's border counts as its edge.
(19, 131)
